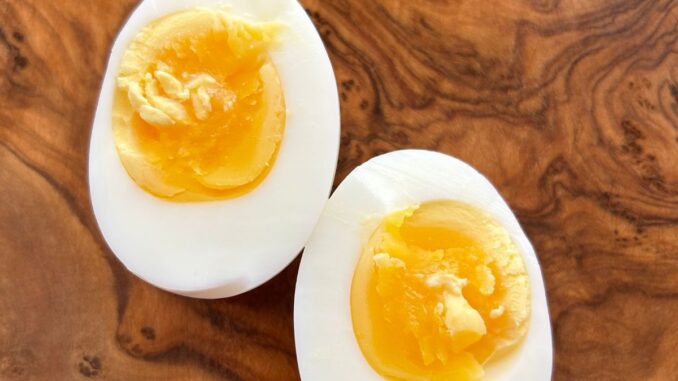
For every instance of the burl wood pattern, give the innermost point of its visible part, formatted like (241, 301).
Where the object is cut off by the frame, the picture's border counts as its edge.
(569, 106)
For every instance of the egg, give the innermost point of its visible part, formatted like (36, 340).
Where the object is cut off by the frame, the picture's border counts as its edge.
(419, 270)
(188, 207)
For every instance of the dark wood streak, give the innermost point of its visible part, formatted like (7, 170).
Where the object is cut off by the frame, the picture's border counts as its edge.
(569, 107)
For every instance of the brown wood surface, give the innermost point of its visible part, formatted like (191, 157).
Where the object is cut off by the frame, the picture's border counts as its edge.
(569, 106)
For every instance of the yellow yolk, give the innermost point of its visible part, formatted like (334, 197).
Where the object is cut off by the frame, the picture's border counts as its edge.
(198, 110)
(438, 290)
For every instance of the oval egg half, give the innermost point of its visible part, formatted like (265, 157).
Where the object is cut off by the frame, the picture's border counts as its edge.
(222, 248)
(327, 347)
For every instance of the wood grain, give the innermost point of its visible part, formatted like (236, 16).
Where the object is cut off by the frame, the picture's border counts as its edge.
(569, 106)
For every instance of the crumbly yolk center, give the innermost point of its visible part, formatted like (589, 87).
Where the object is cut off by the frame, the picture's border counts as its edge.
(202, 115)
(439, 288)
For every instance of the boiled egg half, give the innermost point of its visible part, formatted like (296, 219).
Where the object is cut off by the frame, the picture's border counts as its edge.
(418, 270)
(215, 142)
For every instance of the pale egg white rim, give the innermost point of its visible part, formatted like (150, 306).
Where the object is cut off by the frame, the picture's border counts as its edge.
(253, 237)
(326, 346)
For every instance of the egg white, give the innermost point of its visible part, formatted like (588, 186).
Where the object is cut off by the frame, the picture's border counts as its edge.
(326, 346)
(223, 248)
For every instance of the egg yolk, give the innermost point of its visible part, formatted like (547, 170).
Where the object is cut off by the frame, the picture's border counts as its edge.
(199, 111)
(438, 290)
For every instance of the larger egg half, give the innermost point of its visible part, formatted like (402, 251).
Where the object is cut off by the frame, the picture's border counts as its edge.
(223, 247)
(491, 321)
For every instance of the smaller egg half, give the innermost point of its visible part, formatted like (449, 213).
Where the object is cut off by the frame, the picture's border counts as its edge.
(418, 270)
(226, 240)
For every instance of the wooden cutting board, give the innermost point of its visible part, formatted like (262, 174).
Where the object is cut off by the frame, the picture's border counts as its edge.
(570, 107)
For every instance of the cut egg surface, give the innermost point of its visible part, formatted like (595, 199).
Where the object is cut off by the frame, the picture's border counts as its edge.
(215, 142)
(418, 270)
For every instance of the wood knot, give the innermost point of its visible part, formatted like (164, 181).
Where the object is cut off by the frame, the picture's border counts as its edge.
(631, 136)
(90, 366)
(674, 91)
(19, 60)
(148, 333)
